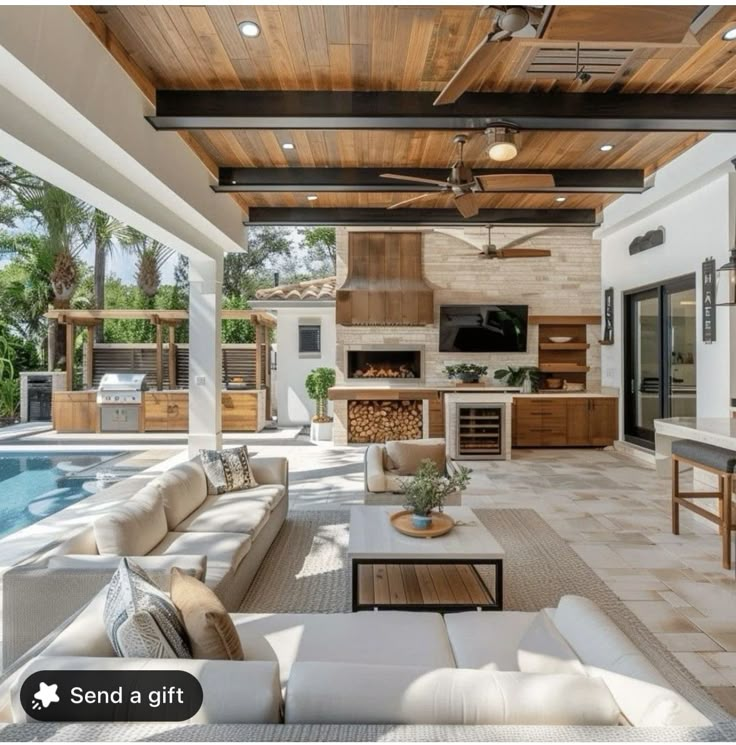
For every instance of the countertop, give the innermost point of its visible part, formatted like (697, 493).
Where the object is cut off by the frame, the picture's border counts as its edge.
(345, 391)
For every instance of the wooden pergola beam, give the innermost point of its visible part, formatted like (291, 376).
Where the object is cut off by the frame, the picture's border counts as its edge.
(79, 317)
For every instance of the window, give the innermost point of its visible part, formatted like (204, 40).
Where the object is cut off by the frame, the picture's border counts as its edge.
(310, 339)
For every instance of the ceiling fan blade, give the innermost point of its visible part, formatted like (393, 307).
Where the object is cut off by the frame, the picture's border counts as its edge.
(404, 202)
(478, 61)
(522, 253)
(516, 181)
(414, 179)
(466, 204)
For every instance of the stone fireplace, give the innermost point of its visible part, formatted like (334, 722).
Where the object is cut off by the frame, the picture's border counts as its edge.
(369, 364)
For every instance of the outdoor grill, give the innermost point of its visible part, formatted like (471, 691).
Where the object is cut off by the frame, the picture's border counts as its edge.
(120, 397)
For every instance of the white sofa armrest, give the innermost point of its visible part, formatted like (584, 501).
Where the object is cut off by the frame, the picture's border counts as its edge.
(271, 471)
(375, 476)
(234, 692)
(338, 693)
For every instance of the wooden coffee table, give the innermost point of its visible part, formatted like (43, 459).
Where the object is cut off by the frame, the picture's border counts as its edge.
(392, 571)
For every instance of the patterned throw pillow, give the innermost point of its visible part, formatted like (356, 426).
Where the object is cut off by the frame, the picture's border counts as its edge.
(227, 470)
(140, 619)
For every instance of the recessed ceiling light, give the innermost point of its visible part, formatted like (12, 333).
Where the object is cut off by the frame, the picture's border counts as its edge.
(606, 148)
(288, 146)
(560, 199)
(250, 29)
(311, 197)
(729, 34)
(234, 183)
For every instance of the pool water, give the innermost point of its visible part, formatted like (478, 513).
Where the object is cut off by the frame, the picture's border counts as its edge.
(34, 485)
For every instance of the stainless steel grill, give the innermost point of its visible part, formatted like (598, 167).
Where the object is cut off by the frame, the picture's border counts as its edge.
(120, 397)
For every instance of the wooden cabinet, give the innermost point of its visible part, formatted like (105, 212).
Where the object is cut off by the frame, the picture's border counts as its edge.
(581, 421)
(75, 411)
(166, 411)
(240, 412)
(436, 408)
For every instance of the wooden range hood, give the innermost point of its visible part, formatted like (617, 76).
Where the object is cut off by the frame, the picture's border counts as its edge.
(385, 285)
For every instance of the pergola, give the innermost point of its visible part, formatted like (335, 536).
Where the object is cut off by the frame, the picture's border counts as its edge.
(161, 319)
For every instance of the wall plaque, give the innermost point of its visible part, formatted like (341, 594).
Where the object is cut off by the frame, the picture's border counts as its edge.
(709, 301)
(608, 316)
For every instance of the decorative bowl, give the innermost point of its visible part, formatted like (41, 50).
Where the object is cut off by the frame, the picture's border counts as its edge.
(554, 383)
(560, 339)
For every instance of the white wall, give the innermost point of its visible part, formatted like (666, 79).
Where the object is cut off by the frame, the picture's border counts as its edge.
(294, 406)
(693, 205)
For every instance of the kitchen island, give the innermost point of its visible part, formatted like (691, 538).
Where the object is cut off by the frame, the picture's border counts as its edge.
(161, 411)
(719, 431)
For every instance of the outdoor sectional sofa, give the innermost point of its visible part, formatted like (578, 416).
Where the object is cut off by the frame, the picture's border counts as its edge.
(171, 521)
(403, 668)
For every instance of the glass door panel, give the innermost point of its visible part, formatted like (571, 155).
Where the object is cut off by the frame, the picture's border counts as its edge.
(681, 338)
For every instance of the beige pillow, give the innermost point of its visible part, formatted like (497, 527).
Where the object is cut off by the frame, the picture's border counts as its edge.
(406, 455)
(212, 634)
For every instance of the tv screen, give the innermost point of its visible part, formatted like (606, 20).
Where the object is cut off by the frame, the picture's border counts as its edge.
(483, 328)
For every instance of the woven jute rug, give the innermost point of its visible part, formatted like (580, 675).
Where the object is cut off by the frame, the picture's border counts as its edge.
(306, 571)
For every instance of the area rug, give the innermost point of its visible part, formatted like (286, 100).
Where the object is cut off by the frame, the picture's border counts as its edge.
(306, 571)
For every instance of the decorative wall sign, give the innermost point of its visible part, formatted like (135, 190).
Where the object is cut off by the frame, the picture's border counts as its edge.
(650, 239)
(709, 301)
(608, 316)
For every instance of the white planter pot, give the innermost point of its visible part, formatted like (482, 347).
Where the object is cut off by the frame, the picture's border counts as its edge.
(320, 432)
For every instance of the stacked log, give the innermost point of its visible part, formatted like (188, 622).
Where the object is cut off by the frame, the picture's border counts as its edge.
(378, 421)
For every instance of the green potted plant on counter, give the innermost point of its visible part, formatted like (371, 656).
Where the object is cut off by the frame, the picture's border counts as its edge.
(466, 372)
(318, 383)
(428, 489)
(526, 378)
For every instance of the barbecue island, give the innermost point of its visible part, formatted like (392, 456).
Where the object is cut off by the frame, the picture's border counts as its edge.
(144, 387)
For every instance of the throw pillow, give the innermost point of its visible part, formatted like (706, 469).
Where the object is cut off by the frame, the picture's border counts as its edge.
(211, 631)
(227, 470)
(140, 619)
(406, 455)
(543, 649)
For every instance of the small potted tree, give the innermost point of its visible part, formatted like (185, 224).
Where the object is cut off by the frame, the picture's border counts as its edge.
(428, 490)
(318, 383)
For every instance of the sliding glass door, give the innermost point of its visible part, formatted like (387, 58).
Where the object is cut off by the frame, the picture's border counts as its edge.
(660, 339)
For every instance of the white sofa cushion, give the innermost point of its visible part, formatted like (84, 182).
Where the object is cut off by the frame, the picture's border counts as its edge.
(543, 649)
(183, 488)
(375, 474)
(226, 516)
(234, 692)
(227, 549)
(395, 637)
(641, 691)
(133, 528)
(487, 641)
(269, 495)
(85, 636)
(339, 693)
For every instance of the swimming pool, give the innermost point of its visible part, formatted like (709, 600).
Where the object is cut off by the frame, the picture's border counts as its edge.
(36, 484)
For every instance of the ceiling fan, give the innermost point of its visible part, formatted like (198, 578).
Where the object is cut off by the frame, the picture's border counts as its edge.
(509, 22)
(463, 186)
(513, 250)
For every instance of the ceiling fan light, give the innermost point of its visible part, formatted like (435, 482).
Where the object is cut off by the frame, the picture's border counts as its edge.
(502, 145)
(729, 34)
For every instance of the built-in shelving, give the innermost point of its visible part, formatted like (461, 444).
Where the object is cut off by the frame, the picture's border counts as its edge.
(564, 360)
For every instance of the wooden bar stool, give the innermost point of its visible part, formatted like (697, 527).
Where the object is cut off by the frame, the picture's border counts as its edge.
(722, 463)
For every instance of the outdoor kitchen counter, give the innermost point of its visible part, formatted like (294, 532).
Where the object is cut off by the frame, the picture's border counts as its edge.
(403, 392)
(163, 411)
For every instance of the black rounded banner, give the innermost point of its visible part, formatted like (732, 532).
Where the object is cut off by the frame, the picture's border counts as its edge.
(111, 696)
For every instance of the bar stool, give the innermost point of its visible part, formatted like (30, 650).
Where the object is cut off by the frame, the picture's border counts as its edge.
(722, 463)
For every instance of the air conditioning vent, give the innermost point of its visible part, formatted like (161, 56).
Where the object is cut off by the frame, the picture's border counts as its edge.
(561, 62)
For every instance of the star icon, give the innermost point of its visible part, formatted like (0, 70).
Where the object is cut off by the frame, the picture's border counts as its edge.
(47, 695)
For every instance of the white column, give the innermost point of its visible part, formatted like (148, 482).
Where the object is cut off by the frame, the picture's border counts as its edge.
(205, 353)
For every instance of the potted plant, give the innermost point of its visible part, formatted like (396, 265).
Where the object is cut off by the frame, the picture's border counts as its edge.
(428, 489)
(318, 383)
(466, 371)
(527, 378)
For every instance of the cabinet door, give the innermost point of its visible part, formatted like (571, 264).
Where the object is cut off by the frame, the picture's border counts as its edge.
(603, 427)
(527, 424)
(553, 421)
(177, 412)
(578, 419)
(156, 415)
(437, 416)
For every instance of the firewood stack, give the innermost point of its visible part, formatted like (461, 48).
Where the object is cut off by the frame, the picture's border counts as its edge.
(378, 421)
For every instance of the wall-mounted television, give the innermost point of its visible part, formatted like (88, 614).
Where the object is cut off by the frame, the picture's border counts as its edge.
(483, 328)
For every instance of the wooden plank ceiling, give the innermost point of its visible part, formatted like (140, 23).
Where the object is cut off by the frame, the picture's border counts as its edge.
(387, 48)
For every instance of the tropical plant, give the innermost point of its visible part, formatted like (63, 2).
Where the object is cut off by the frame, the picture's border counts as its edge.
(9, 397)
(429, 488)
(318, 383)
(108, 233)
(151, 255)
(466, 370)
(517, 376)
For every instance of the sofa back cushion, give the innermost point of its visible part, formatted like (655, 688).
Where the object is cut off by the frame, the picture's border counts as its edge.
(543, 649)
(183, 489)
(404, 456)
(134, 528)
(341, 693)
(641, 691)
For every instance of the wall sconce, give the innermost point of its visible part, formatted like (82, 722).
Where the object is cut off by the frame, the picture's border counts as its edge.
(726, 288)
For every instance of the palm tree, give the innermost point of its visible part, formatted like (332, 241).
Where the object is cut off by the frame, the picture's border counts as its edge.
(108, 234)
(151, 255)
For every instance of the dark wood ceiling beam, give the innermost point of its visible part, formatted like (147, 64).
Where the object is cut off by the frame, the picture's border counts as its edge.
(570, 181)
(359, 216)
(186, 109)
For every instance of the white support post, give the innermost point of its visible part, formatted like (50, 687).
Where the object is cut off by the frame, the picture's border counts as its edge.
(205, 353)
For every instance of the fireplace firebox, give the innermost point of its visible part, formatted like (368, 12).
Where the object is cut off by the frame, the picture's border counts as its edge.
(399, 365)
